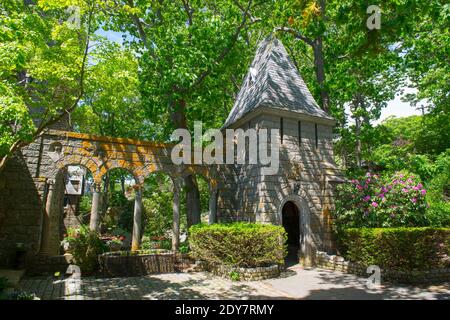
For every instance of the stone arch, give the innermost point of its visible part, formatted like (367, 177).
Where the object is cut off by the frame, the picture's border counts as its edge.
(204, 172)
(60, 207)
(122, 164)
(208, 174)
(77, 160)
(307, 247)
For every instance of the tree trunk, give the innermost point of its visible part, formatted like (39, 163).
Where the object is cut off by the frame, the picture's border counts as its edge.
(105, 196)
(137, 221)
(319, 67)
(122, 184)
(178, 116)
(356, 105)
(192, 200)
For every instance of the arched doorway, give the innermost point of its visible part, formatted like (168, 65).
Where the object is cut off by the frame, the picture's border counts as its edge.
(291, 223)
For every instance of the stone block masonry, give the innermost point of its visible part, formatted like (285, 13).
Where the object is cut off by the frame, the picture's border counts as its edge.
(338, 263)
(246, 274)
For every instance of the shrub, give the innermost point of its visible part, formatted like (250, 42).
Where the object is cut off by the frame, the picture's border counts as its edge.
(85, 246)
(238, 244)
(438, 195)
(371, 201)
(397, 248)
(4, 283)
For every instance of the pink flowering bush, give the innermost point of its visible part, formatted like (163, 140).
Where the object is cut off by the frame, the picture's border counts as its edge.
(374, 201)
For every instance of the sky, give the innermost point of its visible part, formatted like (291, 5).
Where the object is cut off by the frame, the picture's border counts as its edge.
(399, 108)
(395, 107)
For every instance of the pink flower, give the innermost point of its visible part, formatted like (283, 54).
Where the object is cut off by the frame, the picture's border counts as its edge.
(405, 190)
(366, 198)
(423, 192)
(420, 186)
(413, 200)
(374, 204)
(359, 187)
(381, 195)
(416, 188)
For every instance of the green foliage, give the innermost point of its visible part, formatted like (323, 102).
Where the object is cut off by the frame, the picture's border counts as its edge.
(412, 143)
(238, 244)
(85, 206)
(235, 276)
(371, 201)
(4, 283)
(158, 200)
(18, 295)
(40, 67)
(397, 248)
(150, 243)
(184, 247)
(85, 246)
(439, 192)
(126, 208)
(112, 104)
(158, 212)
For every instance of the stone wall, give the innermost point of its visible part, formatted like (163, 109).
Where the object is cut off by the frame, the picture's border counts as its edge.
(21, 205)
(306, 177)
(338, 263)
(247, 274)
(28, 216)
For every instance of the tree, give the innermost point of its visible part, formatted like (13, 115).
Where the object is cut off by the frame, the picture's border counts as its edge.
(111, 105)
(189, 63)
(42, 70)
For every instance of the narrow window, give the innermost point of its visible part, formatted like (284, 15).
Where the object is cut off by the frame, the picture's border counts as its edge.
(315, 132)
(281, 130)
(299, 132)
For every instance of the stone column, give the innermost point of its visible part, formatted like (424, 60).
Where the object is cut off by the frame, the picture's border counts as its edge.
(45, 243)
(137, 220)
(176, 219)
(212, 207)
(95, 215)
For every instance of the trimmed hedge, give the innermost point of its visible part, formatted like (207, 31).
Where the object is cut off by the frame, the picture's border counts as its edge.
(398, 248)
(238, 244)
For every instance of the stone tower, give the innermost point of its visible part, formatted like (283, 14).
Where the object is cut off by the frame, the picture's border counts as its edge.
(299, 195)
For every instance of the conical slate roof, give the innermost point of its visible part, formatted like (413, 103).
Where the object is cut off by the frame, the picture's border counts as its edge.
(273, 81)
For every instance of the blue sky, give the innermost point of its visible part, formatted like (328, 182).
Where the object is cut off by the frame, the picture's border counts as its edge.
(395, 107)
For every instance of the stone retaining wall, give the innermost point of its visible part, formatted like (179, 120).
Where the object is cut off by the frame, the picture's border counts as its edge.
(44, 264)
(338, 263)
(247, 274)
(127, 263)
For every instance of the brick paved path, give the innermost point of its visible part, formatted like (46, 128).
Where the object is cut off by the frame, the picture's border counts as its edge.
(163, 286)
(296, 283)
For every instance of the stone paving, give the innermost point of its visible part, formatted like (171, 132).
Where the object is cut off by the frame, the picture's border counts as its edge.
(164, 286)
(295, 283)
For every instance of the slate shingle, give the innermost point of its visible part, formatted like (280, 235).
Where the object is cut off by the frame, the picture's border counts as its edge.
(273, 81)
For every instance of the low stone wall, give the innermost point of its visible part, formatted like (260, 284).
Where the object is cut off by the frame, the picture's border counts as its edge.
(247, 274)
(44, 264)
(338, 263)
(127, 263)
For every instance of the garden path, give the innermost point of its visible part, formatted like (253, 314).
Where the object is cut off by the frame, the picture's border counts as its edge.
(295, 283)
